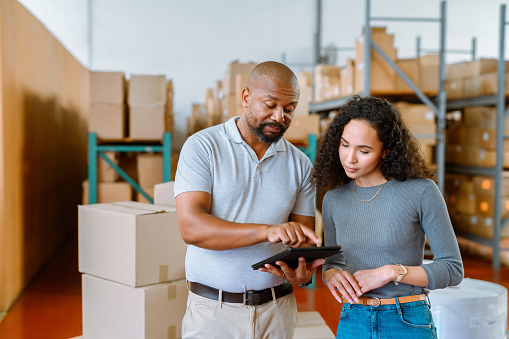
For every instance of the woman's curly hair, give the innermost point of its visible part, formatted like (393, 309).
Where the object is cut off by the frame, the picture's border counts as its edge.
(404, 159)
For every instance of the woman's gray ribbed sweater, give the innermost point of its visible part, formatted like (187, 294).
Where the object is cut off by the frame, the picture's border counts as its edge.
(391, 229)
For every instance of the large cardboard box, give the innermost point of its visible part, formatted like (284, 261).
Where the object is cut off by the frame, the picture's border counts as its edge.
(112, 310)
(429, 66)
(411, 69)
(471, 87)
(131, 243)
(147, 122)
(234, 68)
(107, 87)
(417, 114)
(489, 83)
(150, 169)
(454, 88)
(479, 66)
(485, 186)
(480, 116)
(108, 120)
(383, 76)
(312, 326)
(487, 139)
(327, 82)
(306, 92)
(347, 78)
(108, 192)
(486, 206)
(164, 194)
(147, 90)
(302, 126)
(455, 71)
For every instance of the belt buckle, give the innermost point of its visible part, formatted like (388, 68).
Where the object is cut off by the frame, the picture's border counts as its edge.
(377, 299)
(250, 296)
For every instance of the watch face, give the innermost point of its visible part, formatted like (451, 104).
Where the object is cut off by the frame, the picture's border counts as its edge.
(401, 269)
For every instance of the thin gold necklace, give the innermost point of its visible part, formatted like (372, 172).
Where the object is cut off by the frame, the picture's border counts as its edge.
(373, 196)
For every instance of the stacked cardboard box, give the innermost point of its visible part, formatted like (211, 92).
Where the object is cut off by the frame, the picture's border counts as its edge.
(470, 200)
(420, 119)
(107, 105)
(150, 111)
(327, 82)
(132, 259)
(383, 76)
(472, 79)
(471, 141)
(306, 93)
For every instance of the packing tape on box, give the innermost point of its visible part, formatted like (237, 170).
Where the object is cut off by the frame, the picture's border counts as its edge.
(172, 332)
(138, 208)
(163, 273)
(172, 291)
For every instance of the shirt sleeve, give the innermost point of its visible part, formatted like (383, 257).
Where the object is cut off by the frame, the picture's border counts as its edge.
(193, 169)
(447, 266)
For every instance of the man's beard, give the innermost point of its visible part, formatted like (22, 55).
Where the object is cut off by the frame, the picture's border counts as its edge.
(269, 139)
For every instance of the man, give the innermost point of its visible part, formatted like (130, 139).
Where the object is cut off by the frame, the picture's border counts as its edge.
(244, 193)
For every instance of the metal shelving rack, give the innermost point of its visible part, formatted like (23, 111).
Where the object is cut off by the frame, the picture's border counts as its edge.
(96, 150)
(439, 109)
(498, 100)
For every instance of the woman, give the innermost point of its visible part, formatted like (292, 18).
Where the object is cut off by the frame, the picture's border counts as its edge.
(381, 205)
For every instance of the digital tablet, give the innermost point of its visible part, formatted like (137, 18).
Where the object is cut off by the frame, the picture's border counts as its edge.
(291, 256)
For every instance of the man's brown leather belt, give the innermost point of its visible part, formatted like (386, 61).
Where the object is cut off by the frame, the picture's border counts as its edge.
(248, 298)
(368, 301)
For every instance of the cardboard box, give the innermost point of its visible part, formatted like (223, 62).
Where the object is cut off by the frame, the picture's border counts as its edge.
(487, 139)
(147, 122)
(302, 126)
(327, 82)
(164, 194)
(112, 310)
(306, 92)
(452, 183)
(131, 243)
(486, 205)
(347, 78)
(489, 84)
(485, 186)
(150, 169)
(383, 76)
(454, 88)
(471, 87)
(466, 203)
(234, 68)
(108, 192)
(418, 114)
(107, 120)
(480, 116)
(230, 106)
(411, 69)
(147, 89)
(106, 173)
(107, 88)
(479, 66)
(455, 71)
(312, 326)
(429, 67)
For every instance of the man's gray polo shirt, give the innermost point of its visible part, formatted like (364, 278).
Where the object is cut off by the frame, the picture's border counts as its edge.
(244, 190)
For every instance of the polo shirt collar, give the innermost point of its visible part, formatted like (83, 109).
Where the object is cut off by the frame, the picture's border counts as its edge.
(233, 133)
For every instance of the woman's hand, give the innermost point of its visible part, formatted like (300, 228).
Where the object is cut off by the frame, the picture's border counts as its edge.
(370, 279)
(344, 283)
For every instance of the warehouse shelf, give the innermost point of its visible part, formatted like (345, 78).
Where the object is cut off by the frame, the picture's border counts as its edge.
(499, 100)
(96, 150)
(436, 104)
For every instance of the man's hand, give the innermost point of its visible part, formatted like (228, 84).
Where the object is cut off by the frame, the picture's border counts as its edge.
(292, 233)
(301, 275)
(344, 283)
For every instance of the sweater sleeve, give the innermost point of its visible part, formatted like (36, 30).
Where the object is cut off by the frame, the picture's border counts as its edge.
(447, 266)
(338, 260)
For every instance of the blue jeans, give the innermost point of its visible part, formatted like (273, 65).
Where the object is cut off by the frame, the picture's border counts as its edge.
(410, 320)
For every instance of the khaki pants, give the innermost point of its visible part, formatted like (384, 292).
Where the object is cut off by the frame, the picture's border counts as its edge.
(206, 319)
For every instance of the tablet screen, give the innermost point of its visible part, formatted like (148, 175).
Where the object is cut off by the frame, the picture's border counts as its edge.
(291, 256)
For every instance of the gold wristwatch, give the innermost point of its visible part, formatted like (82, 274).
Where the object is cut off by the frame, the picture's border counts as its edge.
(401, 272)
